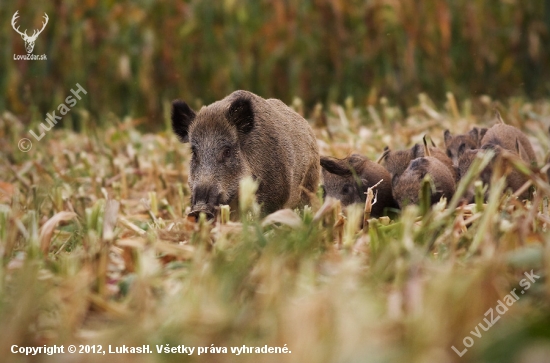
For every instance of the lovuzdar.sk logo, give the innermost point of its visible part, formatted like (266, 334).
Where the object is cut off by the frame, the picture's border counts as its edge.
(28, 39)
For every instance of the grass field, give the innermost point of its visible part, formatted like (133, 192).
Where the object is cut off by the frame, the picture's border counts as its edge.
(97, 250)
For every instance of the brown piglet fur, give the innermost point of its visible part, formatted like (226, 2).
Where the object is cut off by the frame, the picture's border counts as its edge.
(468, 141)
(511, 139)
(406, 187)
(499, 138)
(396, 162)
(348, 179)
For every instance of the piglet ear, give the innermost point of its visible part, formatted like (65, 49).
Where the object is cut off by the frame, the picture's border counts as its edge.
(447, 137)
(474, 134)
(521, 151)
(241, 114)
(182, 117)
(335, 166)
(384, 155)
(417, 151)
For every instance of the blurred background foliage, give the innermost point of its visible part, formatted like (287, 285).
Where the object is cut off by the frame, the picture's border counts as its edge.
(134, 56)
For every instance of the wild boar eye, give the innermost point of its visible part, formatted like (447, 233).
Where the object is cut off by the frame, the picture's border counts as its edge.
(227, 153)
(346, 189)
(449, 154)
(194, 154)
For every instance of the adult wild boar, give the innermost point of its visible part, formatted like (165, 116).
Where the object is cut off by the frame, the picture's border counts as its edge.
(348, 179)
(246, 135)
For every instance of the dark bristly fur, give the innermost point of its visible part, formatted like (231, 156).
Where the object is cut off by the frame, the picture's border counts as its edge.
(241, 135)
(340, 182)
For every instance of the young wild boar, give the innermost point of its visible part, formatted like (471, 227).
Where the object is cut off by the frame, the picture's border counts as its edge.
(465, 159)
(406, 187)
(340, 182)
(468, 141)
(498, 138)
(511, 139)
(246, 135)
(514, 180)
(396, 162)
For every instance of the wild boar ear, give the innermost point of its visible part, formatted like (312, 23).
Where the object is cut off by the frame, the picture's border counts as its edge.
(474, 134)
(334, 166)
(182, 117)
(521, 151)
(384, 155)
(447, 137)
(417, 151)
(241, 115)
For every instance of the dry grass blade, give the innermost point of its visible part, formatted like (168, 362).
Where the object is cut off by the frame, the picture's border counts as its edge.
(369, 202)
(328, 206)
(110, 219)
(499, 118)
(489, 215)
(183, 252)
(286, 217)
(125, 222)
(47, 229)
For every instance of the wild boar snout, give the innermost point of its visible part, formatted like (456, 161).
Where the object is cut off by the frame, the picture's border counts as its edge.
(205, 198)
(202, 209)
(206, 194)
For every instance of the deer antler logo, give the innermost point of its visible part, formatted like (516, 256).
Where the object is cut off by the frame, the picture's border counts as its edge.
(29, 40)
